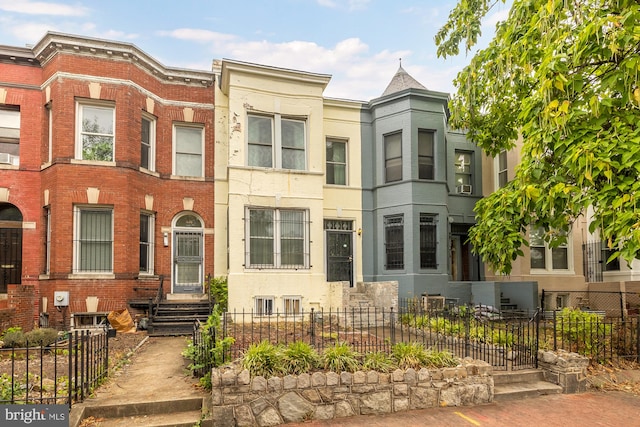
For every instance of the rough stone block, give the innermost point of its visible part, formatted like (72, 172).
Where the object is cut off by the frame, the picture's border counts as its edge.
(375, 403)
(270, 417)
(258, 384)
(223, 416)
(312, 395)
(259, 405)
(244, 378)
(274, 384)
(344, 409)
(411, 376)
(346, 378)
(332, 378)
(373, 377)
(401, 404)
(359, 377)
(397, 375)
(229, 378)
(318, 379)
(290, 382)
(304, 381)
(294, 408)
(244, 416)
(324, 412)
(420, 397)
(400, 390)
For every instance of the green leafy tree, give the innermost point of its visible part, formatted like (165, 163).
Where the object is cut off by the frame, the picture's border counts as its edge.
(563, 76)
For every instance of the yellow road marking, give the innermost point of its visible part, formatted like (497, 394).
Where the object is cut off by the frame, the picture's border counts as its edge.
(471, 420)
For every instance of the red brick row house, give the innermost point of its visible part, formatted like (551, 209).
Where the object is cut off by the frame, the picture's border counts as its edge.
(106, 176)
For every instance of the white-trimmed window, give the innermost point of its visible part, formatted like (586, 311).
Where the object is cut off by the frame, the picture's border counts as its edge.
(544, 258)
(47, 223)
(277, 238)
(393, 157)
(263, 306)
(93, 244)
(426, 140)
(9, 136)
(501, 169)
(147, 226)
(188, 145)
(276, 142)
(464, 172)
(96, 131)
(148, 142)
(292, 305)
(336, 168)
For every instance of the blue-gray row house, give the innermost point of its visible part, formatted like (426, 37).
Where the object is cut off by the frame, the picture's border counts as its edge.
(420, 182)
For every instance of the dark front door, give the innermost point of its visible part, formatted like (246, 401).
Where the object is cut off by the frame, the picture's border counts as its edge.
(339, 256)
(10, 255)
(187, 262)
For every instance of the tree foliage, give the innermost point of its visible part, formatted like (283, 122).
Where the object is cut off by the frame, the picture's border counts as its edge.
(563, 76)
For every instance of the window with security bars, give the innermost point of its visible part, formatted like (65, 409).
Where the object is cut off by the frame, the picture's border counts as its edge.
(263, 306)
(278, 238)
(94, 240)
(428, 241)
(394, 242)
(425, 154)
(292, 305)
(146, 242)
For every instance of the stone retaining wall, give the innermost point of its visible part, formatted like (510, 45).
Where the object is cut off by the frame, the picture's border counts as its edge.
(238, 399)
(568, 370)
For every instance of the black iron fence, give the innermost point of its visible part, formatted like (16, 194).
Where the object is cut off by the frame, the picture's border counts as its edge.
(64, 372)
(506, 342)
(592, 334)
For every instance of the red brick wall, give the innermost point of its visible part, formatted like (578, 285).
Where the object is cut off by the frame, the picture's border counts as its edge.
(23, 299)
(122, 187)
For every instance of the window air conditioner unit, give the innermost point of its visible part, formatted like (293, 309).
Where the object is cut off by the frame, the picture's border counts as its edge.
(464, 189)
(5, 158)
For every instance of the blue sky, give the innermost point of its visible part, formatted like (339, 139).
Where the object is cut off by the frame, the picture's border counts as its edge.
(358, 42)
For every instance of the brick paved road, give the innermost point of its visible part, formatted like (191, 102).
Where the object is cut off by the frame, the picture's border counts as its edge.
(584, 410)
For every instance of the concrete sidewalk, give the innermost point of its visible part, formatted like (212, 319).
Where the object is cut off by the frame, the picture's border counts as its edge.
(157, 372)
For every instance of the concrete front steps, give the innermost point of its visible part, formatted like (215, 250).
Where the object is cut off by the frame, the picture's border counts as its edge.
(514, 385)
(185, 412)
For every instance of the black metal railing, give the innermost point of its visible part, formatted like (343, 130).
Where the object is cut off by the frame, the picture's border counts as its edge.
(64, 372)
(591, 334)
(508, 342)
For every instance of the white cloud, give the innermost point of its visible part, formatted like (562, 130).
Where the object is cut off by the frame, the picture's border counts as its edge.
(351, 4)
(42, 8)
(197, 35)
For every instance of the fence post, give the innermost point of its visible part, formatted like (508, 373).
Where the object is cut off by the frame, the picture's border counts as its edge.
(542, 301)
(555, 331)
(313, 327)
(392, 329)
(467, 330)
(621, 305)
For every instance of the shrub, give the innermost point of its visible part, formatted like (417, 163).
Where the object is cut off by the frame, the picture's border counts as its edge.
(378, 361)
(341, 357)
(13, 337)
(263, 359)
(210, 351)
(409, 355)
(440, 359)
(299, 357)
(41, 336)
(219, 291)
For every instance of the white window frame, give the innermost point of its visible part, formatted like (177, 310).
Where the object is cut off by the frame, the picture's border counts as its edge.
(548, 256)
(277, 240)
(80, 106)
(294, 301)
(263, 305)
(151, 143)
(10, 118)
(432, 157)
(77, 243)
(388, 139)
(333, 162)
(501, 170)
(175, 154)
(277, 148)
(47, 218)
(150, 243)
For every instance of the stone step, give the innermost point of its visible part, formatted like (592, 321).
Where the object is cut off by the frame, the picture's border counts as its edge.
(179, 419)
(523, 376)
(185, 412)
(523, 390)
